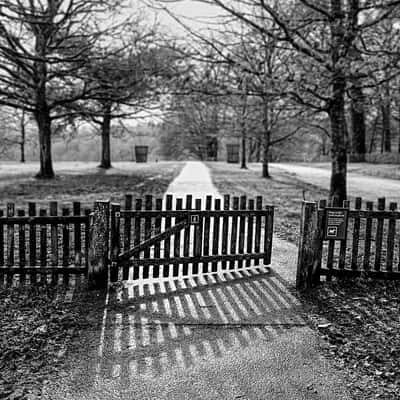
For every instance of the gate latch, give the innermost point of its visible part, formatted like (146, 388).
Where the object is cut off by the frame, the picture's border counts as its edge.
(194, 219)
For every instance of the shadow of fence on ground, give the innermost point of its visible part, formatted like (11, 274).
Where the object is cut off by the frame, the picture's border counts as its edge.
(151, 329)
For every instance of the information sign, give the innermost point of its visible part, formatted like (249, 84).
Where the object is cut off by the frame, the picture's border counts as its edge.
(336, 220)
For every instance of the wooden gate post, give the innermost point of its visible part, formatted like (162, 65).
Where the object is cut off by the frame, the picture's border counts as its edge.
(99, 245)
(309, 256)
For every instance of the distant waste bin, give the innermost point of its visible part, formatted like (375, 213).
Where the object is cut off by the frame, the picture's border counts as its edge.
(141, 153)
(232, 153)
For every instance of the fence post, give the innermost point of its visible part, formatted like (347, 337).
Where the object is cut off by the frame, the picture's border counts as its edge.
(309, 255)
(99, 245)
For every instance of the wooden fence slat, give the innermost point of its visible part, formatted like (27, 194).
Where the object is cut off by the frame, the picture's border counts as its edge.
(137, 235)
(356, 236)
(257, 234)
(269, 229)
(242, 228)
(343, 243)
(249, 244)
(43, 244)
(54, 241)
(76, 209)
(114, 240)
(368, 236)
(186, 237)
(225, 229)
(87, 238)
(65, 239)
(127, 234)
(157, 246)
(390, 239)
(235, 206)
(216, 225)
(207, 226)
(21, 245)
(1, 248)
(197, 241)
(32, 240)
(10, 242)
(147, 232)
(379, 235)
(167, 242)
(177, 240)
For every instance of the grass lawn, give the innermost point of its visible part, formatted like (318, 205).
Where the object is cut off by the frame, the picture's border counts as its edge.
(389, 171)
(86, 183)
(358, 321)
(36, 325)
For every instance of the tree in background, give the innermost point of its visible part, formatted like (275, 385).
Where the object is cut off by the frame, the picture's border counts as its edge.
(43, 46)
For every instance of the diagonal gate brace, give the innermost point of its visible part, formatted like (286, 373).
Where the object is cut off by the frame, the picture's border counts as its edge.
(150, 242)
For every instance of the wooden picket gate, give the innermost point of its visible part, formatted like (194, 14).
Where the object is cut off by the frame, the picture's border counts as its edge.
(159, 240)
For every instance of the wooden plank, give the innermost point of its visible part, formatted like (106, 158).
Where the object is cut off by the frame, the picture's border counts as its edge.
(10, 242)
(114, 240)
(177, 240)
(356, 236)
(374, 214)
(76, 209)
(155, 239)
(127, 233)
(249, 244)
(40, 220)
(65, 240)
(148, 204)
(368, 236)
(216, 225)
(242, 228)
(390, 275)
(21, 246)
(167, 242)
(390, 239)
(235, 206)
(225, 229)
(319, 241)
(32, 241)
(343, 243)
(54, 240)
(379, 235)
(184, 213)
(331, 243)
(2, 271)
(45, 270)
(257, 234)
(186, 237)
(137, 223)
(268, 234)
(207, 228)
(157, 246)
(43, 244)
(87, 238)
(197, 240)
(208, 259)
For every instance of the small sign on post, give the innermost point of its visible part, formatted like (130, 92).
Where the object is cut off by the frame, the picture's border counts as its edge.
(336, 220)
(194, 219)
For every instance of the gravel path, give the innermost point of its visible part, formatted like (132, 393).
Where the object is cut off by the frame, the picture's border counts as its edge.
(369, 188)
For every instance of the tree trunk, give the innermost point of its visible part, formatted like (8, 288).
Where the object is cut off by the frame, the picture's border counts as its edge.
(243, 165)
(338, 132)
(358, 123)
(336, 107)
(22, 142)
(105, 138)
(398, 128)
(43, 120)
(386, 134)
(267, 139)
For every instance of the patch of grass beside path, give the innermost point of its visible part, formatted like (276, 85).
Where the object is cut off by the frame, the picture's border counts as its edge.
(358, 320)
(90, 184)
(283, 191)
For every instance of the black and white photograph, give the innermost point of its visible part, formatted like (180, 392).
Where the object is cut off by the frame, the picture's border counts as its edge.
(199, 199)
